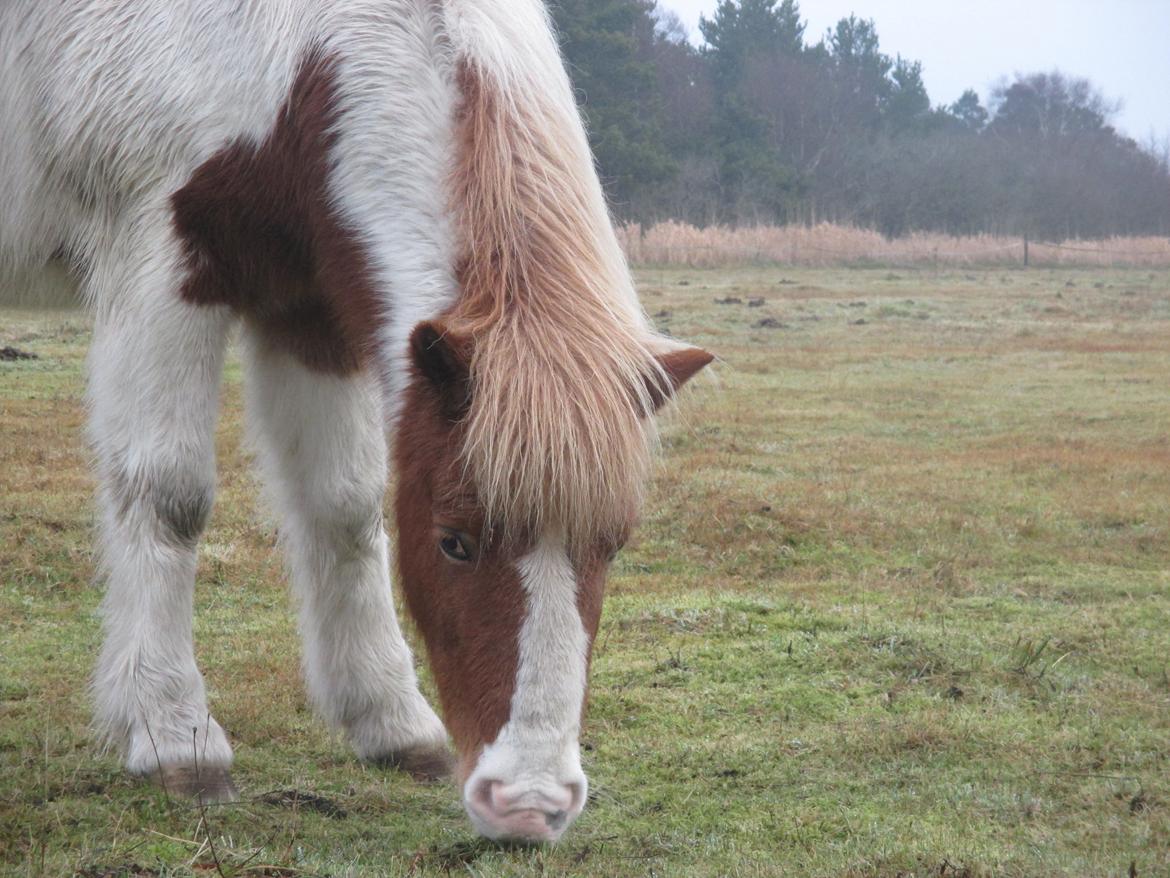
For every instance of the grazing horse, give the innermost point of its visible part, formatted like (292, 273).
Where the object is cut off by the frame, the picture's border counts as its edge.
(396, 200)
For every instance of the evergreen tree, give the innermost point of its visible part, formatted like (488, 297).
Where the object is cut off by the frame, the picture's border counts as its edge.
(608, 48)
(969, 111)
(741, 29)
(907, 106)
(1050, 105)
(745, 40)
(861, 71)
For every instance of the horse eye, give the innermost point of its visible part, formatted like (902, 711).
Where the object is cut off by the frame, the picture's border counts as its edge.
(453, 546)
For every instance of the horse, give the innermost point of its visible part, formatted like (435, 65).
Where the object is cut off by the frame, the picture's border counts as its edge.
(395, 202)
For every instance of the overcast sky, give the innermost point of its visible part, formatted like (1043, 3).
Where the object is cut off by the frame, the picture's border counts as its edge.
(1123, 46)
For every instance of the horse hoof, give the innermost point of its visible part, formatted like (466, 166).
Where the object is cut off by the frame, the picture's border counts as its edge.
(205, 785)
(424, 764)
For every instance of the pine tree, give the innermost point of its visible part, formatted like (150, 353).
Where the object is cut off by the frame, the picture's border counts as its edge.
(608, 47)
(969, 111)
(744, 40)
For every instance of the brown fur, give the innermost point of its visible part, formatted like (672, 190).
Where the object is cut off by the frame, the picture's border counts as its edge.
(261, 237)
(469, 614)
(591, 577)
(678, 367)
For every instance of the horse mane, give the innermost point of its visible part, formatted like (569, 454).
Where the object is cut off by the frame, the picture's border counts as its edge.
(558, 433)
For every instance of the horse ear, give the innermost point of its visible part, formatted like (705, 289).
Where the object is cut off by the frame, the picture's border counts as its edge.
(444, 361)
(679, 365)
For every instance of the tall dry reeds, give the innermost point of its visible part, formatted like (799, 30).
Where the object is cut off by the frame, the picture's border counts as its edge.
(674, 243)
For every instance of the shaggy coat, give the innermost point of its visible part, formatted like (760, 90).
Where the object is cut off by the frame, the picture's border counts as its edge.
(396, 200)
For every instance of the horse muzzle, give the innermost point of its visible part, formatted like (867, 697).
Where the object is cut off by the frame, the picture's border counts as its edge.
(513, 796)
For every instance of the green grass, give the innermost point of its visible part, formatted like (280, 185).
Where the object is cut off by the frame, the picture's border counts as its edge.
(900, 606)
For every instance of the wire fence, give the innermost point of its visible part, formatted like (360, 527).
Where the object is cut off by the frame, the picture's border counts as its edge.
(831, 245)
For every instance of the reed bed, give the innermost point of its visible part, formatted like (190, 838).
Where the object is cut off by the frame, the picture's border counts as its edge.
(823, 245)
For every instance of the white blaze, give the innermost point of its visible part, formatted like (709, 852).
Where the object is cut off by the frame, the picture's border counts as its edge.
(537, 749)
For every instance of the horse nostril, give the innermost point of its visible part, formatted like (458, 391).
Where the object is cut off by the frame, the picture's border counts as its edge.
(556, 819)
(485, 793)
(576, 796)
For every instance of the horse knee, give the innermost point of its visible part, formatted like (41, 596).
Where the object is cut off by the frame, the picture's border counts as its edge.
(351, 525)
(183, 510)
(358, 530)
(179, 502)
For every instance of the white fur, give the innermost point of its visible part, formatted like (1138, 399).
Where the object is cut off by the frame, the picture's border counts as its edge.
(323, 453)
(153, 392)
(108, 109)
(536, 753)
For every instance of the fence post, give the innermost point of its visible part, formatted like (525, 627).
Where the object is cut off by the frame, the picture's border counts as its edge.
(1025, 251)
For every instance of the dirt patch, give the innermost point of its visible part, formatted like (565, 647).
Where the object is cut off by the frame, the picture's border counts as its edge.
(304, 801)
(1140, 803)
(769, 323)
(10, 354)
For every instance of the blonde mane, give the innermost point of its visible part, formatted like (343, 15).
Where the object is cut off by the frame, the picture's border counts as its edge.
(557, 434)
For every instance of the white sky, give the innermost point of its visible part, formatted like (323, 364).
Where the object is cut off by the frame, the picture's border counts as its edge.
(1123, 46)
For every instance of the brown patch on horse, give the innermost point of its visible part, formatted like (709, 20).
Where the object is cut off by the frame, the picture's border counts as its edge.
(469, 614)
(261, 236)
(678, 367)
(591, 576)
(592, 573)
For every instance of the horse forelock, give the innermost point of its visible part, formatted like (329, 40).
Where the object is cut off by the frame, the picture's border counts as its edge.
(556, 434)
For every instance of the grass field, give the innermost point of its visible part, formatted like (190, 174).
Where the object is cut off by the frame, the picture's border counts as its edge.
(900, 606)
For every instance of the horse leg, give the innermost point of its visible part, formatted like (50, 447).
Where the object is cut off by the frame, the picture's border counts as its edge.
(322, 448)
(154, 374)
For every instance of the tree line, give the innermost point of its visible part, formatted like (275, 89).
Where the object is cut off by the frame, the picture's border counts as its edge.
(761, 125)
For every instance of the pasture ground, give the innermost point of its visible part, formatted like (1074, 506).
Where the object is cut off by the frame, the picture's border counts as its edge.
(900, 606)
